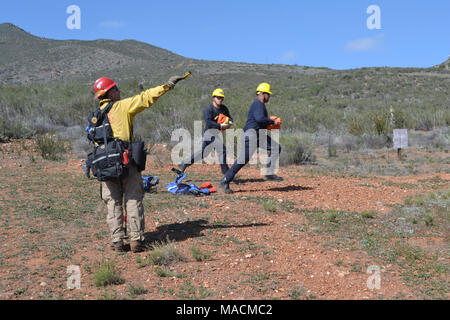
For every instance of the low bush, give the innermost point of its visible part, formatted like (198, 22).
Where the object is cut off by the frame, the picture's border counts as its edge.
(269, 205)
(107, 275)
(355, 125)
(136, 290)
(380, 120)
(198, 255)
(296, 150)
(332, 151)
(51, 147)
(13, 131)
(164, 254)
(368, 214)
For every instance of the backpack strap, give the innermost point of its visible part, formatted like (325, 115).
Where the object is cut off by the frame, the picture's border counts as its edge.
(105, 113)
(107, 108)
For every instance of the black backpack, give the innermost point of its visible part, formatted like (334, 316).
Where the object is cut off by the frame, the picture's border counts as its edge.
(98, 129)
(109, 159)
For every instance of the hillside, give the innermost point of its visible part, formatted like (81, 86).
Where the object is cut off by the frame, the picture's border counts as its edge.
(26, 58)
(44, 78)
(444, 65)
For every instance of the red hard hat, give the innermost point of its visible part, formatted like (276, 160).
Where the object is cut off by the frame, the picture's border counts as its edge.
(102, 85)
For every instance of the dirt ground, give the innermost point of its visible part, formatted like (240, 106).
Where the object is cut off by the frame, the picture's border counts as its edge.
(316, 235)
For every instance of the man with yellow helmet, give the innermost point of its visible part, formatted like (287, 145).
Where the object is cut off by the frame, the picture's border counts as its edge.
(217, 116)
(257, 119)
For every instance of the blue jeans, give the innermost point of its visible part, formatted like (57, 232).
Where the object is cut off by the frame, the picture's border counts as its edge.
(251, 142)
(210, 139)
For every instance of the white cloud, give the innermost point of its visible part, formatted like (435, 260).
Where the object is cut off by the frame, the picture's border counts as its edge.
(289, 57)
(365, 44)
(111, 24)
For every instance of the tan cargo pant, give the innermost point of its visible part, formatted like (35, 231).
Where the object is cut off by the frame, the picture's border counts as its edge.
(132, 189)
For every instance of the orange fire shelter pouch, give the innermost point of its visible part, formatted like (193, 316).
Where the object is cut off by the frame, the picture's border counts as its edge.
(208, 185)
(274, 126)
(221, 118)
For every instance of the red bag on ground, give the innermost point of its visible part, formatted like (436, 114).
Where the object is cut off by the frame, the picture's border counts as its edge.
(208, 185)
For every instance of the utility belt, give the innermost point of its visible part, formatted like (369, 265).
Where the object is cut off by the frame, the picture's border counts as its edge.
(111, 161)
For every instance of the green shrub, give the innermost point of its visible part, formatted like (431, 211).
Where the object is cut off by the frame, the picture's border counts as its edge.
(355, 126)
(401, 119)
(269, 205)
(164, 273)
(332, 216)
(381, 122)
(107, 275)
(419, 201)
(164, 254)
(428, 219)
(424, 121)
(332, 151)
(13, 131)
(141, 262)
(51, 147)
(297, 293)
(368, 214)
(198, 255)
(296, 150)
(136, 290)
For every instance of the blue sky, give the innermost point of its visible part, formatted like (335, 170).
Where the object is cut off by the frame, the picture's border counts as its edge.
(321, 33)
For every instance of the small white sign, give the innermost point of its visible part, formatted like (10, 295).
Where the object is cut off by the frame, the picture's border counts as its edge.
(400, 138)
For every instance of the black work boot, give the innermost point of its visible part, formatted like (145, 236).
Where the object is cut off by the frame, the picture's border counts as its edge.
(225, 185)
(137, 246)
(273, 177)
(118, 246)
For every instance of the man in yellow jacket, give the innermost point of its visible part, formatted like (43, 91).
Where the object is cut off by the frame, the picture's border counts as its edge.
(130, 188)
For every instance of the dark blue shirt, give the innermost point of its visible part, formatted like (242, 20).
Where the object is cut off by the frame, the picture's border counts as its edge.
(210, 113)
(257, 117)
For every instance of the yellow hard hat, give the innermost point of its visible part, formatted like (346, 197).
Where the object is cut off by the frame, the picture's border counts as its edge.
(218, 93)
(264, 87)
